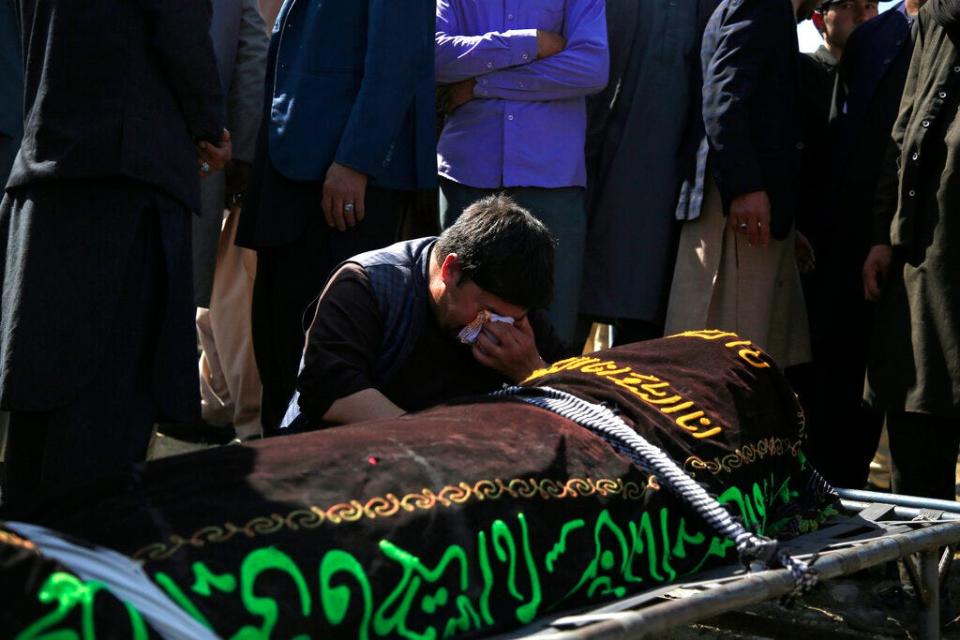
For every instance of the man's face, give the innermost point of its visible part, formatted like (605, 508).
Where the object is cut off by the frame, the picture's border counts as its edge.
(841, 18)
(462, 300)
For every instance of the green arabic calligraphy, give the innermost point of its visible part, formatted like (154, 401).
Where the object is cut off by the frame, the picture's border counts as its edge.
(503, 577)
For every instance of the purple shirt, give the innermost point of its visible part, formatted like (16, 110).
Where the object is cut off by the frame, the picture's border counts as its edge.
(527, 122)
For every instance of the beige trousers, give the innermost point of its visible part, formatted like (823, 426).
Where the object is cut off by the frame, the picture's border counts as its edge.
(721, 282)
(229, 382)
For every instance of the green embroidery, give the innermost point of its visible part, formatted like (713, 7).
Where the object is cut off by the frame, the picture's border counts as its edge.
(499, 581)
(68, 592)
(336, 599)
(561, 547)
(258, 562)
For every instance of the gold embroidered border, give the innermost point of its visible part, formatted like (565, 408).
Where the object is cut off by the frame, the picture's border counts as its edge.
(743, 456)
(391, 505)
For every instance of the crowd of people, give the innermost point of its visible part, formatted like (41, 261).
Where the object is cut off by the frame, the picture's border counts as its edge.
(373, 207)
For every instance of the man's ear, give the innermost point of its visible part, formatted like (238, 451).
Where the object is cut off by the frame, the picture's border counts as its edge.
(817, 18)
(450, 270)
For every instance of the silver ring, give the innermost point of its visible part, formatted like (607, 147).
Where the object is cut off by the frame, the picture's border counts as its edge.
(348, 208)
(205, 166)
(743, 226)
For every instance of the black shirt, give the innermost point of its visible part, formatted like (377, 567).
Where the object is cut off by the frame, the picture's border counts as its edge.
(344, 342)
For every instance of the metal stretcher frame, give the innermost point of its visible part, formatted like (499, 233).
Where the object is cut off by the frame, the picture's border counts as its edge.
(874, 528)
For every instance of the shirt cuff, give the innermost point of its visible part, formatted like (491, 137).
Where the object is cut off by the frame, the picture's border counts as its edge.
(523, 42)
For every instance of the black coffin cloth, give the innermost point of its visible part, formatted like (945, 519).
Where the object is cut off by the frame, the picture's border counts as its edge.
(466, 519)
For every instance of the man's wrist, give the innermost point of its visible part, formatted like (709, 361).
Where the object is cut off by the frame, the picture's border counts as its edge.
(538, 363)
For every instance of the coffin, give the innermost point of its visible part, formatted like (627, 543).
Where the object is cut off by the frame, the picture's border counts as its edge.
(467, 519)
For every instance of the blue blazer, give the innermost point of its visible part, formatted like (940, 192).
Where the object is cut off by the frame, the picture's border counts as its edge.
(750, 79)
(352, 81)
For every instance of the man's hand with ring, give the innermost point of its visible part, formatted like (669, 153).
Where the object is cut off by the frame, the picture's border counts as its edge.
(343, 196)
(214, 157)
(750, 214)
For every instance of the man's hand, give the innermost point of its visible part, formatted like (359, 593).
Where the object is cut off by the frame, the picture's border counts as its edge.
(343, 192)
(459, 94)
(875, 269)
(750, 214)
(509, 349)
(806, 258)
(549, 43)
(212, 158)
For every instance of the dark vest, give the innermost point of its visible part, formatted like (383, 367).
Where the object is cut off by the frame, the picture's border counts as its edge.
(398, 275)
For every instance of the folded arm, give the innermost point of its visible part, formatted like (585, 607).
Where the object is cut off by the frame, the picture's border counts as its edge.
(458, 56)
(580, 69)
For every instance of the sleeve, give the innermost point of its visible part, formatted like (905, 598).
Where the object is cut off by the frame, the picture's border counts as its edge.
(579, 70)
(245, 97)
(397, 39)
(730, 81)
(342, 343)
(458, 57)
(887, 195)
(181, 38)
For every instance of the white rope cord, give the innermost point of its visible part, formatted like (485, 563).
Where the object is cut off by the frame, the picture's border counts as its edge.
(752, 548)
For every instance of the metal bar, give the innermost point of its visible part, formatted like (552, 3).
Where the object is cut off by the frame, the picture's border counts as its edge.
(907, 513)
(946, 563)
(899, 500)
(753, 588)
(929, 594)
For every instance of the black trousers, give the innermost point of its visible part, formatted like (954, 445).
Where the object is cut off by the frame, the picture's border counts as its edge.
(289, 277)
(107, 427)
(924, 449)
(842, 432)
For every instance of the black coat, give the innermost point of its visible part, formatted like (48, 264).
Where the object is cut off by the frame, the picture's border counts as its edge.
(117, 92)
(749, 103)
(874, 69)
(118, 88)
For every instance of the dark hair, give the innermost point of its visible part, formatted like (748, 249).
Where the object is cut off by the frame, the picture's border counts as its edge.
(504, 250)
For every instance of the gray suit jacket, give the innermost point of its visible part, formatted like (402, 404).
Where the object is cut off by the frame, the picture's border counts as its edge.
(11, 88)
(240, 42)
